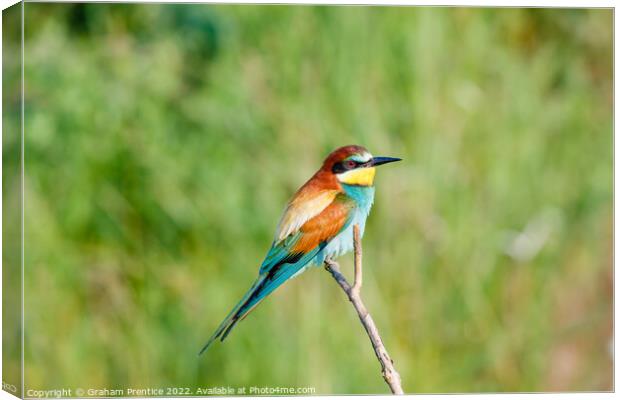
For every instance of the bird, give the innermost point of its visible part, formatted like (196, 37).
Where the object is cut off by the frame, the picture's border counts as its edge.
(317, 224)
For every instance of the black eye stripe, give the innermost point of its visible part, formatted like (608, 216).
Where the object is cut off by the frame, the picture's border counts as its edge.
(338, 168)
(342, 166)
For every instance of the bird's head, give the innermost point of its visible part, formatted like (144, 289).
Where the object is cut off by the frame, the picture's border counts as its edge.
(354, 165)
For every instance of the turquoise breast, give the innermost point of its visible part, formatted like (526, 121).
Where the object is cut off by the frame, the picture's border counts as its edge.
(362, 197)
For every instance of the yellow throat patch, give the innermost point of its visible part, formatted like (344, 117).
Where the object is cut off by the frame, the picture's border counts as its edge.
(360, 177)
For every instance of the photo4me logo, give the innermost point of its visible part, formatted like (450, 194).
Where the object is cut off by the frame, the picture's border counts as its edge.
(280, 391)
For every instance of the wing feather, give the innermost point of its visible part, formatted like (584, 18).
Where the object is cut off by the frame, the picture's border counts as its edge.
(314, 233)
(306, 204)
(323, 227)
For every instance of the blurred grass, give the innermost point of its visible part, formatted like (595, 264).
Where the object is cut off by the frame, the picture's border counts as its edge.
(162, 142)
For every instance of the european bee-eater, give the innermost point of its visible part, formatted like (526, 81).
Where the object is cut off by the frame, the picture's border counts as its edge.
(317, 223)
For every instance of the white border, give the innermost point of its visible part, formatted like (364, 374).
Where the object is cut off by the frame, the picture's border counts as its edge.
(524, 3)
(463, 3)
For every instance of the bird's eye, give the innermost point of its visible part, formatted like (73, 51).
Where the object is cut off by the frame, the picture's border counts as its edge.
(350, 164)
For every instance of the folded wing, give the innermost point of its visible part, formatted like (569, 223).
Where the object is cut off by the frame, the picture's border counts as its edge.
(307, 203)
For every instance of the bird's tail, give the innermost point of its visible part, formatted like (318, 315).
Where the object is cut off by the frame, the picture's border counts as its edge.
(243, 308)
(266, 283)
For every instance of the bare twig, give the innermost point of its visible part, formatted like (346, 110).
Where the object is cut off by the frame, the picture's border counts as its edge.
(390, 375)
(357, 260)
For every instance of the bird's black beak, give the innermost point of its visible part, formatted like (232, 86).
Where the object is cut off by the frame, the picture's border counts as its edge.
(383, 160)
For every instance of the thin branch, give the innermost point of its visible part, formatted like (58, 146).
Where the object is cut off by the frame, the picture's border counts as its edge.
(390, 375)
(357, 260)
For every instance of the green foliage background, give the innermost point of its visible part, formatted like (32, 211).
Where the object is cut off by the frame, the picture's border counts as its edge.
(162, 142)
